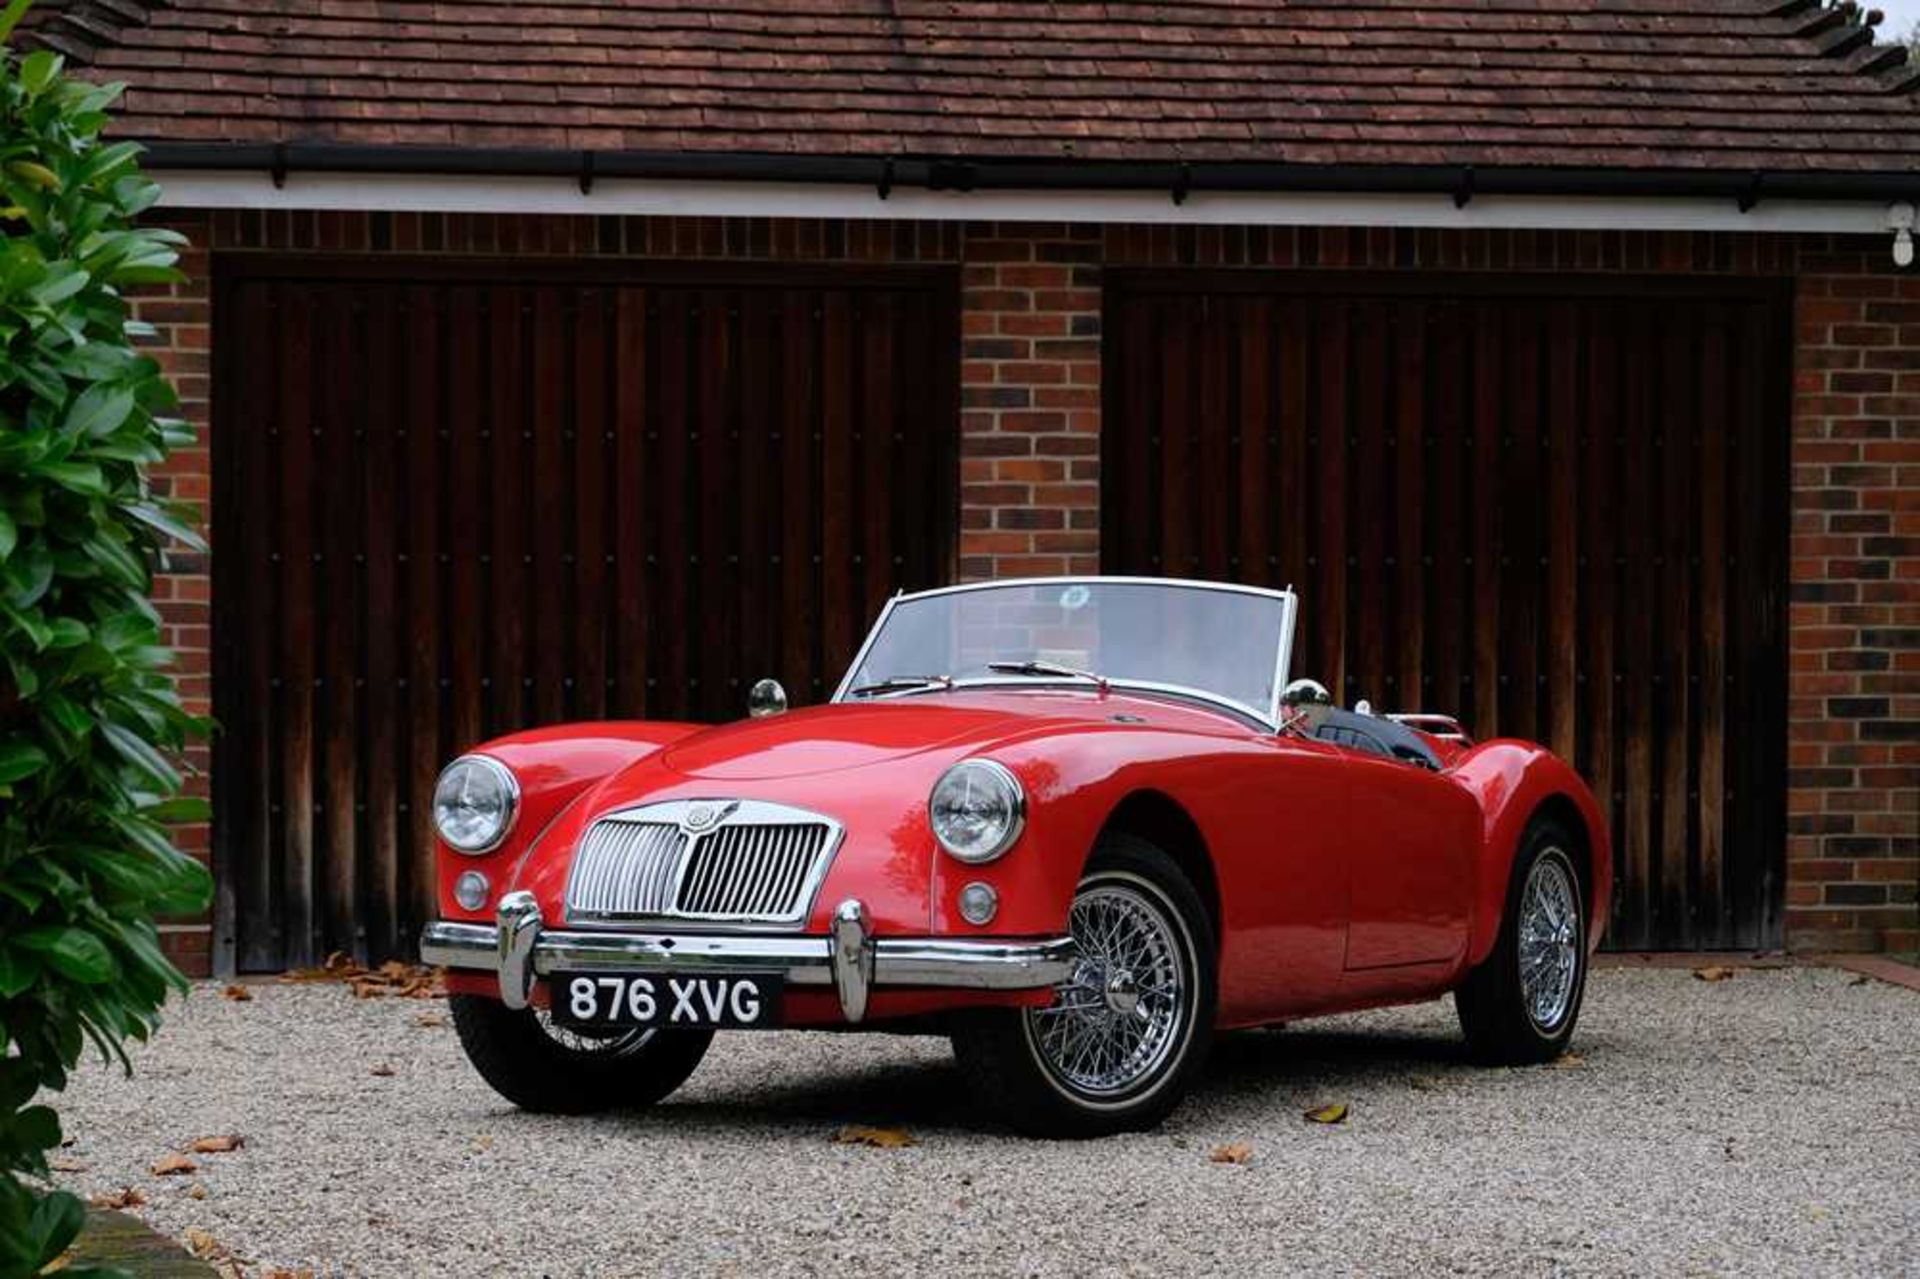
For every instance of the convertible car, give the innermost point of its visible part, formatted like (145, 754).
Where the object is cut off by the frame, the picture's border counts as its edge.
(1078, 825)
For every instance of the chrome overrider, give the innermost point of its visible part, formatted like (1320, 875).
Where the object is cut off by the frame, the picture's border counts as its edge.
(850, 958)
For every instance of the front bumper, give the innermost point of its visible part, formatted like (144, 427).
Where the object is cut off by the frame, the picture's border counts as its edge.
(850, 959)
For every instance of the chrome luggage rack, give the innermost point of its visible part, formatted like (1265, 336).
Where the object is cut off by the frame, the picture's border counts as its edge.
(1444, 727)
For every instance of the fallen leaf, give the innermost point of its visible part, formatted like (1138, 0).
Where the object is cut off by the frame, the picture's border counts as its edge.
(196, 1191)
(1333, 1113)
(1238, 1152)
(1424, 1083)
(1717, 972)
(880, 1138)
(395, 977)
(125, 1197)
(383, 1070)
(483, 1143)
(217, 1145)
(173, 1166)
(202, 1244)
(238, 994)
(279, 1272)
(66, 1163)
(1568, 1061)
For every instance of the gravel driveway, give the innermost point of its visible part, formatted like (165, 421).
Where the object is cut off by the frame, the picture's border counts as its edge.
(1769, 1123)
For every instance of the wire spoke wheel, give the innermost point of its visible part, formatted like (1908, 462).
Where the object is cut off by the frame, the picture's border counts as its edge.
(1114, 1023)
(603, 1045)
(1549, 941)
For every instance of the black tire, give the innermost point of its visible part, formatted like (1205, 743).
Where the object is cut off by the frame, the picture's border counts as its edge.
(515, 1053)
(1499, 1020)
(1000, 1050)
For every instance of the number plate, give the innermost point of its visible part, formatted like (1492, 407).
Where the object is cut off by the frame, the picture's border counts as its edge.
(733, 1002)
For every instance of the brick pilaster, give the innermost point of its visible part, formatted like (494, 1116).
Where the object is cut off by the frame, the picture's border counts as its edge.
(1030, 401)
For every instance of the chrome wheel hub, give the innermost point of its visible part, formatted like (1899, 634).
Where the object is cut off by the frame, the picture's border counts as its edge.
(1116, 1021)
(1549, 941)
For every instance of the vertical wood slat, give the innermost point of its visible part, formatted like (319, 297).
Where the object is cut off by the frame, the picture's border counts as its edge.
(484, 502)
(425, 607)
(291, 934)
(1559, 518)
(1677, 425)
(381, 903)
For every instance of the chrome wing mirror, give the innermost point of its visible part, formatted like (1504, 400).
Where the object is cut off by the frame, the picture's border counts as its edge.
(766, 698)
(1306, 703)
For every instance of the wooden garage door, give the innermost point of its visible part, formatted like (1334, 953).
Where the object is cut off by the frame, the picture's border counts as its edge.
(1554, 509)
(452, 502)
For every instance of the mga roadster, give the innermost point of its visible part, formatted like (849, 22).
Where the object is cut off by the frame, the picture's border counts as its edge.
(1078, 825)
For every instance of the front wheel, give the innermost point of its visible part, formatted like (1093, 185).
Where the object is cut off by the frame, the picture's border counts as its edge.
(1127, 1033)
(1519, 1006)
(552, 1069)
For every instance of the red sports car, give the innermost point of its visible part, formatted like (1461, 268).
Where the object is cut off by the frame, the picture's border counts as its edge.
(1076, 824)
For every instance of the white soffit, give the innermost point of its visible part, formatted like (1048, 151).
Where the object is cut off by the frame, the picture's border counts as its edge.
(382, 192)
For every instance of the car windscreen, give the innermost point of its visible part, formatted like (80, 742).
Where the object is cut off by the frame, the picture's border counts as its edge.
(1221, 641)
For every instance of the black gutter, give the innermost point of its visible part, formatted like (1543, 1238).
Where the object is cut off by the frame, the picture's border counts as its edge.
(1178, 179)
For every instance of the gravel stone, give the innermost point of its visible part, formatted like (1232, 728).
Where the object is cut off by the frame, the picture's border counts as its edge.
(1769, 1124)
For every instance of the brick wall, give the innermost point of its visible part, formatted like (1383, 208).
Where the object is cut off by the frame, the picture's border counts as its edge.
(1030, 402)
(1854, 711)
(1031, 316)
(181, 315)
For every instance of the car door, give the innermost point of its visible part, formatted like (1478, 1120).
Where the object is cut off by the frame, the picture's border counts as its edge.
(1410, 840)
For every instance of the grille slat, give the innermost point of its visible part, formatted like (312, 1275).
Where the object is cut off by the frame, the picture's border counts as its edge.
(759, 865)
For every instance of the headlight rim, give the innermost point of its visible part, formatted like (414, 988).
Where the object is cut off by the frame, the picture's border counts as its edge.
(511, 787)
(1016, 824)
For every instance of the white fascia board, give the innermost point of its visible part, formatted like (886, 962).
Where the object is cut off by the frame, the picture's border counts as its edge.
(382, 192)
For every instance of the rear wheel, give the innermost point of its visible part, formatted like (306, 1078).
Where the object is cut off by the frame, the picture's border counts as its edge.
(551, 1069)
(1128, 1032)
(1520, 1005)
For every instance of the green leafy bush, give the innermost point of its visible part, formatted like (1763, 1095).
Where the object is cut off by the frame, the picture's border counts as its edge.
(88, 714)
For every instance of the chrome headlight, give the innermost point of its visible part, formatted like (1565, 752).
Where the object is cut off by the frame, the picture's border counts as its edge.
(474, 803)
(976, 810)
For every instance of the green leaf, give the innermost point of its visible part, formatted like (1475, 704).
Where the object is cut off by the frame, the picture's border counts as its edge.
(16, 10)
(73, 952)
(19, 759)
(118, 562)
(57, 1218)
(9, 535)
(141, 754)
(25, 678)
(81, 477)
(38, 633)
(67, 632)
(18, 969)
(38, 69)
(71, 717)
(37, 1127)
(181, 808)
(155, 518)
(61, 282)
(98, 411)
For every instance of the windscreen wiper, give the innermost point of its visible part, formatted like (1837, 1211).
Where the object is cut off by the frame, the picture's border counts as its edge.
(900, 683)
(1037, 667)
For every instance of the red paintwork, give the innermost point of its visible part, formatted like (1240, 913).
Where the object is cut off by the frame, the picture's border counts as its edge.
(1344, 880)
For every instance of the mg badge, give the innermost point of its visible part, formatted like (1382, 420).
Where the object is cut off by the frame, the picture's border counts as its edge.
(704, 817)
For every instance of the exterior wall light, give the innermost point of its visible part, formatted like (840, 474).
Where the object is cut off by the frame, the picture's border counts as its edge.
(1900, 219)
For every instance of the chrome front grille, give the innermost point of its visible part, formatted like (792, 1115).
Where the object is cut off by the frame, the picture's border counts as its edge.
(627, 868)
(717, 861)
